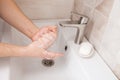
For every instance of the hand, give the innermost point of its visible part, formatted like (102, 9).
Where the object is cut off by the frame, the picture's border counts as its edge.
(44, 30)
(35, 50)
(46, 35)
(41, 41)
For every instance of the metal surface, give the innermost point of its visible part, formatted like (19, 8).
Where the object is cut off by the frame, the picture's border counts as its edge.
(75, 24)
(47, 62)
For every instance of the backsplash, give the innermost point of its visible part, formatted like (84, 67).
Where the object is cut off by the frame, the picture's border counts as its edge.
(103, 29)
(46, 9)
(1, 29)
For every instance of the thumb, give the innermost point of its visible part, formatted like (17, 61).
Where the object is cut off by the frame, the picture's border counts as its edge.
(53, 29)
(39, 34)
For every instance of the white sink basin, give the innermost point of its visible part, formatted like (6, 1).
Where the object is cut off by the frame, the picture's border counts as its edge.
(69, 67)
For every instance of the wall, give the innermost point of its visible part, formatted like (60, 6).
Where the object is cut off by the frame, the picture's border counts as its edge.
(45, 9)
(103, 29)
(1, 29)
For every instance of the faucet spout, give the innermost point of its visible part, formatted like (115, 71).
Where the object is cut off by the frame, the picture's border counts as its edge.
(75, 24)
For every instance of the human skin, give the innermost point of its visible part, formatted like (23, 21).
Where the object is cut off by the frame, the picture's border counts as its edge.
(35, 49)
(11, 13)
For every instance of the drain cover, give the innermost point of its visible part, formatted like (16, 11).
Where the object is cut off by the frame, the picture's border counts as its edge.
(66, 48)
(47, 62)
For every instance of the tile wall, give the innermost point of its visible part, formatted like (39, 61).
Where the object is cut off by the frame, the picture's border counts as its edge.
(46, 9)
(103, 29)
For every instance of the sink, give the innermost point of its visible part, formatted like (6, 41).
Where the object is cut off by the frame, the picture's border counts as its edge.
(69, 67)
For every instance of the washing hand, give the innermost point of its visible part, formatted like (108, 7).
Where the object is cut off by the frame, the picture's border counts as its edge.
(41, 41)
(46, 35)
(35, 50)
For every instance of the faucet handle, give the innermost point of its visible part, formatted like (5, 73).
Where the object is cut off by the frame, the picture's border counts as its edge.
(82, 19)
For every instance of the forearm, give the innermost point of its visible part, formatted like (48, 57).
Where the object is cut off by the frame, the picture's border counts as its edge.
(10, 12)
(35, 49)
(7, 50)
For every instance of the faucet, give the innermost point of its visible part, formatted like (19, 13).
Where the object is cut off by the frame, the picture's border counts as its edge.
(79, 25)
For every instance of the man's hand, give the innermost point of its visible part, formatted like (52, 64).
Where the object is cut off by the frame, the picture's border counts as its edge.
(35, 50)
(41, 41)
(44, 30)
(46, 35)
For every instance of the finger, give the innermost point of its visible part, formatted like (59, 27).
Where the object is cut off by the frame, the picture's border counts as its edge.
(54, 35)
(40, 33)
(36, 43)
(53, 28)
(46, 43)
(46, 40)
(43, 31)
(50, 37)
(37, 35)
(52, 55)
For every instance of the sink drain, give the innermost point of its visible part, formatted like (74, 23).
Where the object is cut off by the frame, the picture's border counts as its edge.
(66, 48)
(47, 63)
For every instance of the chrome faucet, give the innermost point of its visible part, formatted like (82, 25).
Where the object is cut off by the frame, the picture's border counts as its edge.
(79, 25)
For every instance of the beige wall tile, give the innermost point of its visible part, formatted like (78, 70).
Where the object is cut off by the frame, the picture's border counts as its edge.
(105, 7)
(89, 29)
(91, 3)
(46, 9)
(116, 70)
(111, 38)
(82, 7)
(96, 27)
(78, 6)
(99, 26)
(103, 29)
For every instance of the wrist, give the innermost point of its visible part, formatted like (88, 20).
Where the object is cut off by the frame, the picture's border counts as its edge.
(36, 35)
(30, 30)
(20, 52)
(33, 33)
